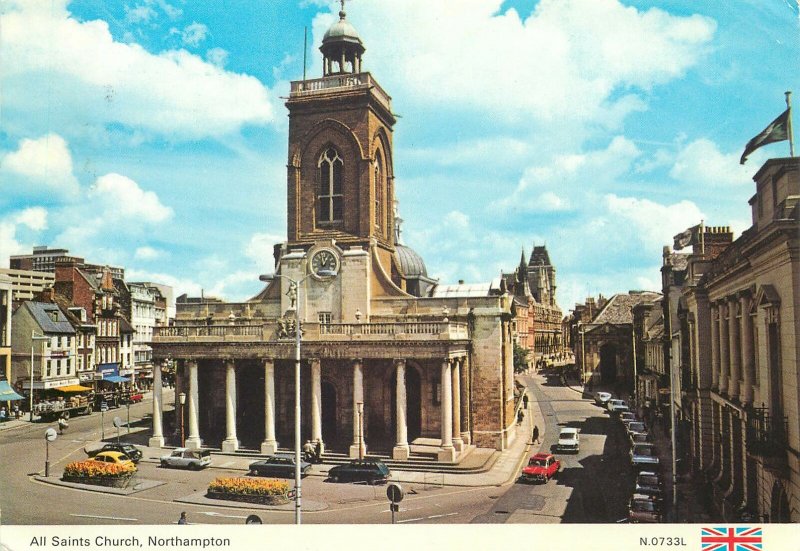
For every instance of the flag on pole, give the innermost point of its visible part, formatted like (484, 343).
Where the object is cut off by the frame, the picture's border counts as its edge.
(777, 131)
(687, 238)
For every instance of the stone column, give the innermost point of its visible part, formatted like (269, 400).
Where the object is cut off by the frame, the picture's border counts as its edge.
(193, 441)
(724, 349)
(316, 401)
(270, 445)
(458, 444)
(401, 449)
(736, 350)
(466, 390)
(157, 440)
(714, 347)
(231, 442)
(748, 350)
(359, 446)
(447, 451)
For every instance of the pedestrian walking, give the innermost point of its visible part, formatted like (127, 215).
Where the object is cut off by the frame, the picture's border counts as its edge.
(536, 434)
(62, 424)
(183, 519)
(520, 417)
(525, 401)
(16, 411)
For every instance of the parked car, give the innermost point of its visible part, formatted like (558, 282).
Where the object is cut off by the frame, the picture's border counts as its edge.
(541, 468)
(568, 440)
(185, 458)
(627, 417)
(370, 471)
(601, 398)
(639, 438)
(642, 508)
(133, 453)
(648, 483)
(615, 404)
(281, 465)
(636, 426)
(644, 456)
(118, 458)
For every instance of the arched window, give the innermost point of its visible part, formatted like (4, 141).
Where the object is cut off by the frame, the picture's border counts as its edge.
(378, 190)
(330, 191)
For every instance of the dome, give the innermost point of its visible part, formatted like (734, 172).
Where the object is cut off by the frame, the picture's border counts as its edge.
(341, 31)
(411, 263)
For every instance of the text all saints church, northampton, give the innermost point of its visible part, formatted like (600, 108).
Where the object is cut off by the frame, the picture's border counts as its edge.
(391, 362)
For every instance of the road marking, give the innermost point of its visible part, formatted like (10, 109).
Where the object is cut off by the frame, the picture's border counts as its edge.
(214, 514)
(105, 518)
(426, 518)
(443, 515)
(409, 520)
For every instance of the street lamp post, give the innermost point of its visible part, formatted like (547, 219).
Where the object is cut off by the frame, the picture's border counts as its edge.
(181, 401)
(34, 338)
(360, 409)
(294, 288)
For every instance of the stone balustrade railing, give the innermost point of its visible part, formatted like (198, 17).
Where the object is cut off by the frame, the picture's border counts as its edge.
(308, 87)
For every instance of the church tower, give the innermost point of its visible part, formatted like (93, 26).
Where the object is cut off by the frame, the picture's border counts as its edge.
(340, 173)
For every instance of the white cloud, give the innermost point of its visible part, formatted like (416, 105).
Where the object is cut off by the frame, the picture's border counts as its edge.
(139, 14)
(121, 197)
(570, 60)
(102, 81)
(148, 253)
(44, 163)
(34, 217)
(192, 35)
(180, 285)
(217, 57)
(702, 163)
(654, 224)
(260, 248)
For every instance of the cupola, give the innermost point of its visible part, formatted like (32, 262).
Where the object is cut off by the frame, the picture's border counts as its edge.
(341, 48)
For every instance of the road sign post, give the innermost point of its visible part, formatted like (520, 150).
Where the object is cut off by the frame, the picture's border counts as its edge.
(118, 424)
(395, 494)
(49, 436)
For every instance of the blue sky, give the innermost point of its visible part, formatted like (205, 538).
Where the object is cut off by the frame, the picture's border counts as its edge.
(152, 133)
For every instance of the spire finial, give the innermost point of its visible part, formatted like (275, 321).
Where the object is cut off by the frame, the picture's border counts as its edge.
(342, 14)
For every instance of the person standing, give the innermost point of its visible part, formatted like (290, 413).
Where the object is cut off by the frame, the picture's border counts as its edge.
(536, 434)
(183, 519)
(525, 401)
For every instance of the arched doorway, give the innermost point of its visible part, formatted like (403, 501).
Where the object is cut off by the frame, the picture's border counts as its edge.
(779, 504)
(329, 420)
(608, 363)
(413, 403)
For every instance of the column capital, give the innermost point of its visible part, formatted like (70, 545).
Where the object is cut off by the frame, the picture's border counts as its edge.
(315, 361)
(399, 361)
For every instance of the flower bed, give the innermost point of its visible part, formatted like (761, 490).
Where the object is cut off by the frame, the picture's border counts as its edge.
(249, 490)
(98, 473)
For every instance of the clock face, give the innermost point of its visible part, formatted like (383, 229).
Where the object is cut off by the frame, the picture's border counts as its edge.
(324, 261)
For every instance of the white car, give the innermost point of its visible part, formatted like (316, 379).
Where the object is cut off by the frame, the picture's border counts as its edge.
(601, 398)
(568, 440)
(615, 404)
(184, 458)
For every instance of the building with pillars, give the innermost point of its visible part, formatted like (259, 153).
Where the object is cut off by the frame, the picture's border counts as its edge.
(387, 366)
(738, 362)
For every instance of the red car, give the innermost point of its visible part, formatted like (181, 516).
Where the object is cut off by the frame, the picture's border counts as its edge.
(541, 467)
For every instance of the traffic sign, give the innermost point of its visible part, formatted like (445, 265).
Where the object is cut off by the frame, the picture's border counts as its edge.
(50, 434)
(103, 406)
(117, 422)
(395, 492)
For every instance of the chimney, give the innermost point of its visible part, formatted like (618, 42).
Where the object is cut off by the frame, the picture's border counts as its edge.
(715, 240)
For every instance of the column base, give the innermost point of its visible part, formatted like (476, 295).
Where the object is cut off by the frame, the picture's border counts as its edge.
(466, 438)
(269, 447)
(156, 442)
(193, 443)
(401, 452)
(458, 444)
(354, 451)
(447, 454)
(230, 445)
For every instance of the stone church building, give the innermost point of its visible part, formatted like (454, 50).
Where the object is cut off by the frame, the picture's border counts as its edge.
(385, 363)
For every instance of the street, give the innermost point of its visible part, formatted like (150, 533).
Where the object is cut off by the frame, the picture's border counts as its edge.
(593, 487)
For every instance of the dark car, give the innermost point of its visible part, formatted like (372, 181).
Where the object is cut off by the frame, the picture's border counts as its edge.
(134, 453)
(648, 483)
(280, 465)
(643, 508)
(364, 470)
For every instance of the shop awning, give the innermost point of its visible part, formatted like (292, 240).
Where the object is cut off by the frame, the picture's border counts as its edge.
(72, 388)
(116, 379)
(7, 393)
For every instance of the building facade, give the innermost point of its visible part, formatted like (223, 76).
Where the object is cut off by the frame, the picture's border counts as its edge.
(740, 372)
(386, 365)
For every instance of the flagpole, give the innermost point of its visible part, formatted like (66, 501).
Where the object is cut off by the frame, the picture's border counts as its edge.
(789, 123)
(702, 238)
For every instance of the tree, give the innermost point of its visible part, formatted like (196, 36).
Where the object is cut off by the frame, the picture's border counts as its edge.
(520, 358)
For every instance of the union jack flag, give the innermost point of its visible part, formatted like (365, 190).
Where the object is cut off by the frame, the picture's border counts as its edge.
(731, 539)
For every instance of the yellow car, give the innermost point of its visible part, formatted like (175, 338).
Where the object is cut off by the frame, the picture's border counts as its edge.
(113, 457)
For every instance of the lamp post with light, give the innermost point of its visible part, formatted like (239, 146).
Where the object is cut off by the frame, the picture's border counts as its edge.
(181, 402)
(34, 338)
(294, 290)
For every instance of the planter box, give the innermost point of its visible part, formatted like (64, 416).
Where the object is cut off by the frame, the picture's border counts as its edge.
(118, 482)
(245, 498)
